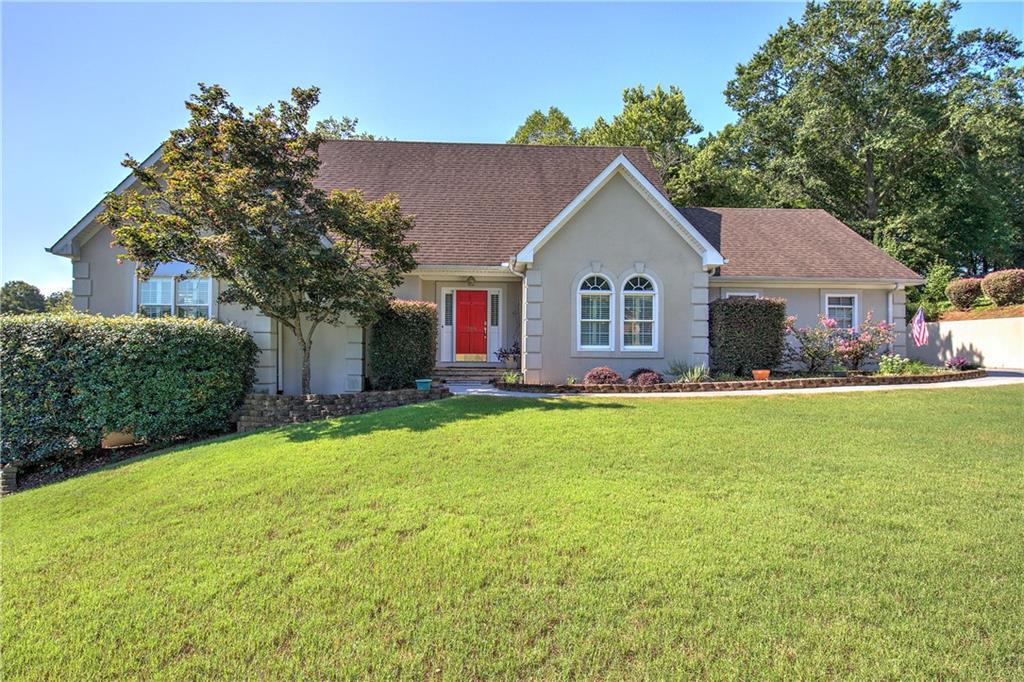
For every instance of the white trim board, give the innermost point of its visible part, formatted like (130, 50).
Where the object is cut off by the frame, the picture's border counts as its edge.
(621, 165)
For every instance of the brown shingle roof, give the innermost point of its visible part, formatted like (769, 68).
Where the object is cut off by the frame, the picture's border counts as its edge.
(791, 243)
(480, 204)
(475, 204)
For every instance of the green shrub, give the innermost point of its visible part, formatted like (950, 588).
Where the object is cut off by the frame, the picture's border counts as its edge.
(403, 344)
(938, 278)
(1005, 287)
(963, 293)
(68, 379)
(746, 334)
(685, 374)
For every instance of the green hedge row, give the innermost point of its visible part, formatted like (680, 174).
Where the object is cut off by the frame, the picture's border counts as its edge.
(746, 334)
(403, 344)
(68, 379)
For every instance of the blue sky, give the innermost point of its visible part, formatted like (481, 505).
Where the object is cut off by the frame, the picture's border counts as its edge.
(84, 84)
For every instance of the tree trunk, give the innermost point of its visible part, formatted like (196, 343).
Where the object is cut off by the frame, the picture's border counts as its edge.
(305, 366)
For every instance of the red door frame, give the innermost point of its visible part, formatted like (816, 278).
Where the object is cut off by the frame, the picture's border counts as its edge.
(471, 325)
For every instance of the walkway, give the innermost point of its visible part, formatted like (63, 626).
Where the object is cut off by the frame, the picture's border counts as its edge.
(995, 377)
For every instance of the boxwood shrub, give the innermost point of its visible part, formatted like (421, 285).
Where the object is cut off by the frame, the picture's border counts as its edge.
(962, 293)
(68, 379)
(1005, 287)
(403, 344)
(746, 334)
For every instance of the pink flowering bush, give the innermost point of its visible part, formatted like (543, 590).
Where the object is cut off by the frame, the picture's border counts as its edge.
(814, 347)
(854, 347)
(821, 348)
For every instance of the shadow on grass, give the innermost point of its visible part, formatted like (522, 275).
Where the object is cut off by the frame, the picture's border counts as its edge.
(432, 415)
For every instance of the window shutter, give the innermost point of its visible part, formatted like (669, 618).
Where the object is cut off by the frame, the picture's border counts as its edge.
(494, 310)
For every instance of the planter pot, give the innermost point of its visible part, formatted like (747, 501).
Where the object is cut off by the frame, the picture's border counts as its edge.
(761, 374)
(423, 384)
(511, 364)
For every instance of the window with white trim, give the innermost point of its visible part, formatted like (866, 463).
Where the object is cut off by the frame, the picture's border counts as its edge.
(843, 309)
(160, 296)
(638, 313)
(595, 313)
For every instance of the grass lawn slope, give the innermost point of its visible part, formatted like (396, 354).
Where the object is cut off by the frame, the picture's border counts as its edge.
(866, 535)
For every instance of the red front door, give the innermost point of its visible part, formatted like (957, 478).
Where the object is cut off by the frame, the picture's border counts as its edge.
(471, 326)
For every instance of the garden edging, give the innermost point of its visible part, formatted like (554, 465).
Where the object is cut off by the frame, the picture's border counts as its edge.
(262, 411)
(713, 386)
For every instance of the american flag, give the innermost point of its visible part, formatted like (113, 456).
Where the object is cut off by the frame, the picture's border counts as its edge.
(920, 328)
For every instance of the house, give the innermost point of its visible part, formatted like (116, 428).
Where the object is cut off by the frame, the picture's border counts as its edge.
(574, 252)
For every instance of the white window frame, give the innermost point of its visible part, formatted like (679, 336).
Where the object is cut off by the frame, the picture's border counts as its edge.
(578, 313)
(137, 299)
(655, 318)
(856, 305)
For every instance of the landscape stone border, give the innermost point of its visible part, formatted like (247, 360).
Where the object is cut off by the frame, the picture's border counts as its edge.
(260, 411)
(713, 386)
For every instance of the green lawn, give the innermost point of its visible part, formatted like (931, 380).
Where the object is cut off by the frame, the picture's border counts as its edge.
(867, 535)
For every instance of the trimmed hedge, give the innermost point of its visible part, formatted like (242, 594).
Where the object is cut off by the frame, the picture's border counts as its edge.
(602, 375)
(746, 334)
(962, 293)
(403, 344)
(68, 379)
(1005, 287)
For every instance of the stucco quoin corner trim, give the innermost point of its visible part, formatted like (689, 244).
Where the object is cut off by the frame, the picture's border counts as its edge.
(710, 256)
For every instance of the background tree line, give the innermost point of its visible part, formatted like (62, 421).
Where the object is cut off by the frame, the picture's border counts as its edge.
(878, 112)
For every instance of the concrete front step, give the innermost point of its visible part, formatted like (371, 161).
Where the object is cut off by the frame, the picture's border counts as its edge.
(467, 375)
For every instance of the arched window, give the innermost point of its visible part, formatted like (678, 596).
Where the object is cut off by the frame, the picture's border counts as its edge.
(594, 307)
(639, 313)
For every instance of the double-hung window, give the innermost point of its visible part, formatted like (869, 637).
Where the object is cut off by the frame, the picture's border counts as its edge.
(638, 313)
(595, 313)
(843, 309)
(160, 296)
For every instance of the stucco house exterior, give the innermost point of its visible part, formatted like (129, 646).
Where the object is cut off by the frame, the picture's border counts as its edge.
(574, 252)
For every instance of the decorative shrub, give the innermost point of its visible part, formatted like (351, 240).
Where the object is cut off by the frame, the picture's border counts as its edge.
(962, 293)
(936, 280)
(509, 355)
(68, 379)
(855, 347)
(640, 370)
(1005, 287)
(747, 334)
(403, 344)
(602, 375)
(958, 363)
(814, 347)
(686, 374)
(893, 364)
(646, 378)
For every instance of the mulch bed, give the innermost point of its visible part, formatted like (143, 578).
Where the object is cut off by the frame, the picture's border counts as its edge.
(712, 386)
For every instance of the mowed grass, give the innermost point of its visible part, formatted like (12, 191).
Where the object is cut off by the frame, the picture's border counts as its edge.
(867, 535)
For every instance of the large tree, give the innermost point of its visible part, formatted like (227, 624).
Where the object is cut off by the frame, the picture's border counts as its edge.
(657, 120)
(553, 127)
(884, 115)
(17, 297)
(233, 196)
(343, 129)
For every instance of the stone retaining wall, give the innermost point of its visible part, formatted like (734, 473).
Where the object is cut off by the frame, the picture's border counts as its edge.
(260, 411)
(711, 386)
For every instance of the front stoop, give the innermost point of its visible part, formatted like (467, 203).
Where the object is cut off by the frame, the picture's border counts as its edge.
(468, 375)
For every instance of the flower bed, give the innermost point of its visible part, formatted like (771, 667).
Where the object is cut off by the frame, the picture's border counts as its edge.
(712, 386)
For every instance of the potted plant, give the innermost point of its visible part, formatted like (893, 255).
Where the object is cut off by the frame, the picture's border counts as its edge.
(761, 374)
(424, 384)
(510, 356)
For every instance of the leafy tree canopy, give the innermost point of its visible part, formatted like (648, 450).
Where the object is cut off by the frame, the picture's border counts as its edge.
(347, 128)
(553, 127)
(59, 302)
(17, 297)
(233, 195)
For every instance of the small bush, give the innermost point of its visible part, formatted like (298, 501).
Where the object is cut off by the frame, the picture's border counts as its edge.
(1005, 287)
(746, 334)
(691, 375)
(938, 278)
(893, 364)
(403, 344)
(646, 378)
(602, 375)
(68, 379)
(958, 363)
(963, 293)
(640, 370)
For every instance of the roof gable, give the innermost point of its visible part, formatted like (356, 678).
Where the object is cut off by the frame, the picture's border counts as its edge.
(622, 166)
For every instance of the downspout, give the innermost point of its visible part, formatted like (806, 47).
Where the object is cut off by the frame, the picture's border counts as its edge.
(888, 314)
(280, 357)
(511, 265)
